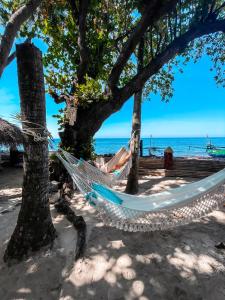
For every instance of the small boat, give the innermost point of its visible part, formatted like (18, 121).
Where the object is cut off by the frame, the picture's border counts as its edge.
(218, 153)
(213, 151)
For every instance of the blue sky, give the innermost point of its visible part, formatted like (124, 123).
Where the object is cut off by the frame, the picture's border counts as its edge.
(196, 109)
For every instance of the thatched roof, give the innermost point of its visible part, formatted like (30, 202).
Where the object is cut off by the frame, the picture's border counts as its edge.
(10, 135)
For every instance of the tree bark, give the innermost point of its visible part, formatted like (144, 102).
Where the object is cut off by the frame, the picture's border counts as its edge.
(12, 27)
(132, 181)
(78, 138)
(34, 227)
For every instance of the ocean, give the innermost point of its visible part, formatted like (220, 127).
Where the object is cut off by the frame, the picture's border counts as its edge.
(182, 146)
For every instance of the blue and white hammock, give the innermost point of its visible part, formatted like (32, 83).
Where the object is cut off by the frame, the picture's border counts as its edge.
(147, 213)
(121, 158)
(141, 213)
(102, 176)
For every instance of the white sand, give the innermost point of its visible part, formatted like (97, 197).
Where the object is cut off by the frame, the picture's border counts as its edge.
(178, 264)
(41, 276)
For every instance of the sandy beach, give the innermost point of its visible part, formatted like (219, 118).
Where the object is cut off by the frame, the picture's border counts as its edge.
(182, 263)
(110, 90)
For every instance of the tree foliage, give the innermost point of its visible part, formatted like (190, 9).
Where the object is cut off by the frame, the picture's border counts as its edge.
(91, 48)
(109, 24)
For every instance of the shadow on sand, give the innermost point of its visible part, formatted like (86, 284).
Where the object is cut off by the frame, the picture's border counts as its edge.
(179, 264)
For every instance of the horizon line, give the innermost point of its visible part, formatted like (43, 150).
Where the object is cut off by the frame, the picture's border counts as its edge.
(158, 137)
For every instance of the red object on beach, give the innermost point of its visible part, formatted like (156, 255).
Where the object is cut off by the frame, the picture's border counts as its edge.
(168, 158)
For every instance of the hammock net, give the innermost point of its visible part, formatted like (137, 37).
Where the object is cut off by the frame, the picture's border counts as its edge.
(148, 213)
(99, 175)
(142, 213)
(116, 162)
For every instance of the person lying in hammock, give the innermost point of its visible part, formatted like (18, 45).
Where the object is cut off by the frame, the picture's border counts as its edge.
(121, 162)
(115, 163)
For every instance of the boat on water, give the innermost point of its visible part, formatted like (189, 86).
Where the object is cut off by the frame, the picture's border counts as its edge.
(213, 151)
(218, 153)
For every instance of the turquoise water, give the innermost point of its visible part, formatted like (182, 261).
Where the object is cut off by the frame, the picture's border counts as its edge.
(181, 146)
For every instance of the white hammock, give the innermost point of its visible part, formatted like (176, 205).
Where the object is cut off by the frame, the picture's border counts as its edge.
(98, 175)
(118, 159)
(155, 212)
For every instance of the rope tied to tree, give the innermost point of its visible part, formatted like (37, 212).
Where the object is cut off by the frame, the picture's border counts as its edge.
(41, 136)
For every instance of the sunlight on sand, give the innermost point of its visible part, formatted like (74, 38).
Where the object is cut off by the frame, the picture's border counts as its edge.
(190, 262)
(178, 264)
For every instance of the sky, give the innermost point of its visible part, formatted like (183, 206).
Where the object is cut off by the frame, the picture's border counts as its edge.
(196, 109)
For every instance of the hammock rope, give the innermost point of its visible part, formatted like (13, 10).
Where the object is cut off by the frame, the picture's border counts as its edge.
(94, 173)
(41, 134)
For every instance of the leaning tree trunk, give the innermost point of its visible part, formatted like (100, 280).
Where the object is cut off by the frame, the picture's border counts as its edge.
(34, 227)
(132, 181)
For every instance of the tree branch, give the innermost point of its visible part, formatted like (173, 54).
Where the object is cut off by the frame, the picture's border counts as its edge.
(114, 104)
(212, 6)
(13, 55)
(59, 98)
(83, 49)
(75, 12)
(176, 47)
(153, 12)
(10, 58)
(217, 11)
(12, 28)
(121, 37)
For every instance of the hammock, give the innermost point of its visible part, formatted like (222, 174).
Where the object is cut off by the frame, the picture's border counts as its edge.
(148, 213)
(144, 213)
(119, 165)
(119, 159)
(97, 174)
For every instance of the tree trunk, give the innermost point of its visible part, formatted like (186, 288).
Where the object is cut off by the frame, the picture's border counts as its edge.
(78, 140)
(34, 227)
(132, 181)
(18, 18)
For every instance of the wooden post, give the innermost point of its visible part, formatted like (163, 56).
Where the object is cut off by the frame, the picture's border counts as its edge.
(34, 227)
(141, 148)
(168, 158)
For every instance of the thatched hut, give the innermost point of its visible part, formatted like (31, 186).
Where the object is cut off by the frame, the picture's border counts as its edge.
(10, 136)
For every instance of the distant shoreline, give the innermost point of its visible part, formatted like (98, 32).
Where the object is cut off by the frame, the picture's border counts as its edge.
(156, 137)
(167, 137)
(182, 146)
